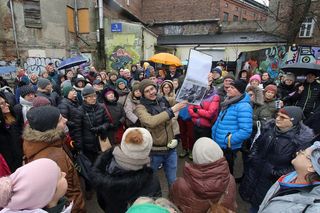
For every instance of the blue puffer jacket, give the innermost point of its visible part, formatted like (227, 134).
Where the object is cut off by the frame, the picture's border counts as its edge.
(236, 120)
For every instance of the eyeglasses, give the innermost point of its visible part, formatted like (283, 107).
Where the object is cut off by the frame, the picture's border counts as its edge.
(250, 94)
(303, 152)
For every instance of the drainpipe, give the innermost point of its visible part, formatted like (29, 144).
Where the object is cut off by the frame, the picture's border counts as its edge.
(101, 41)
(14, 30)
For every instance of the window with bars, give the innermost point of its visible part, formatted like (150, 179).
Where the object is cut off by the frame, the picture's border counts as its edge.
(32, 13)
(307, 27)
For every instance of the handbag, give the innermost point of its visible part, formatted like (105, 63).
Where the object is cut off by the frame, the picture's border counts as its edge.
(4, 168)
(81, 162)
(104, 144)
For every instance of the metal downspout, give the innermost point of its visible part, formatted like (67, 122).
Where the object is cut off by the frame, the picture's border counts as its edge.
(14, 29)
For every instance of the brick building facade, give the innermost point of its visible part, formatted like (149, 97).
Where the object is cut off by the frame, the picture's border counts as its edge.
(235, 10)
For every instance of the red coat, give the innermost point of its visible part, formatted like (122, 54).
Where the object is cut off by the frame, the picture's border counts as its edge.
(207, 112)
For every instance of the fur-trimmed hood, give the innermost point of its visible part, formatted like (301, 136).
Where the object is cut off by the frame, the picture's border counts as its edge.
(35, 141)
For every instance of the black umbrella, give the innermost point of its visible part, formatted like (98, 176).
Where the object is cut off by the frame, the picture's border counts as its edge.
(302, 68)
(71, 62)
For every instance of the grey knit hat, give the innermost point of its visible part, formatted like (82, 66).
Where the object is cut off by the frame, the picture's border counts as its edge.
(43, 118)
(43, 82)
(87, 90)
(25, 90)
(294, 112)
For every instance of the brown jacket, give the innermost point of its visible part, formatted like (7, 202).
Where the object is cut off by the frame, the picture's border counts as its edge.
(159, 125)
(48, 144)
(205, 185)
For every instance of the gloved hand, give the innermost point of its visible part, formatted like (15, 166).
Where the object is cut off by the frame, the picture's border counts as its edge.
(195, 110)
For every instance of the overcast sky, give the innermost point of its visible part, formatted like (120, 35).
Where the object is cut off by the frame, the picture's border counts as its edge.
(264, 2)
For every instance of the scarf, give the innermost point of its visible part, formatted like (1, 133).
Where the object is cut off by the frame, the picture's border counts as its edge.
(26, 105)
(228, 101)
(128, 163)
(286, 181)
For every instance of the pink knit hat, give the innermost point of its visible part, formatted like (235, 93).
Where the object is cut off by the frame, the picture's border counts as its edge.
(31, 186)
(255, 77)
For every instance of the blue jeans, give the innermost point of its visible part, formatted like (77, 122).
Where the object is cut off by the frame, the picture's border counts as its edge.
(169, 161)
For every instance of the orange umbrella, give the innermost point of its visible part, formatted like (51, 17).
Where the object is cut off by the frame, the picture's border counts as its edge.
(166, 58)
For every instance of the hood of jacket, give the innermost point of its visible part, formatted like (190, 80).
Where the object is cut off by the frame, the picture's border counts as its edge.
(35, 141)
(116, 95)
(208, 181)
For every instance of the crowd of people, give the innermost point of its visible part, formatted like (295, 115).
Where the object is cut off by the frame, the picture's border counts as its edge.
(272, 122)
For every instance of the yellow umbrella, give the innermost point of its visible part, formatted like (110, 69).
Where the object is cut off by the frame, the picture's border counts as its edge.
(166, 58)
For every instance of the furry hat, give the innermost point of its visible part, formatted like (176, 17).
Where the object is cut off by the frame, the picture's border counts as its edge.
(119, 80)
(205, 150)
(315, 156)
(136, 143)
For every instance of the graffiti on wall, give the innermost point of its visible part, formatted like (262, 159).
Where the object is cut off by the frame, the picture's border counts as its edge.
(121, 57)
(274, 58)
(37, 64)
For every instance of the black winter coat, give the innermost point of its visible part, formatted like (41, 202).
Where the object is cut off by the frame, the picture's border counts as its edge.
(69, 110)
(122, 187)
(90, 123)
(116, 111)
(270, 158)
(284, 91)
(10, 141)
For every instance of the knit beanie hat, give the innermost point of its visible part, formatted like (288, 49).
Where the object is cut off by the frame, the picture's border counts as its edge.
(315, 156)
(240, 85)
(43, 82)
(147, 208)
(43, 118)
(25, 90)
(145, 83)
(31, 186)
(87, 90)
(289, 76)
(66, 90)
(230, 76)
(136, 143)
(40, 101)
(255, 77)
(272, 88)
(135, 86)
(119, 80)
(205, 150)
(294, 112)
(217, 69)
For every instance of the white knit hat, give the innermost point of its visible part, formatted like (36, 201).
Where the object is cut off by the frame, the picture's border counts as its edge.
(205, 150)
(136, 143)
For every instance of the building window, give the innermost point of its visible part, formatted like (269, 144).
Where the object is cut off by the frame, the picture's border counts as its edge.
(226, 5)
(235, 18)
(254, 15)
(244, 19)
(225, 16)
(307, 27)
(237, 8)
(128, 2)
(32, 14)
(244, 11)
